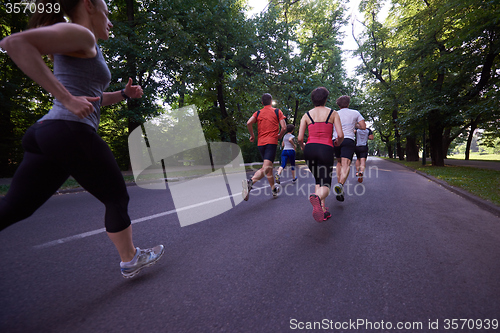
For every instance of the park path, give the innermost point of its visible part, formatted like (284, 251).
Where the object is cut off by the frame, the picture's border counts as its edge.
(401, 250)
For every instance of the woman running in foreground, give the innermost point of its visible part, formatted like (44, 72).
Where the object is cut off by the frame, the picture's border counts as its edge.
(64, 142)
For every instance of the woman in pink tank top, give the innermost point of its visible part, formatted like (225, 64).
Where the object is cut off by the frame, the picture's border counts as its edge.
(318, 151)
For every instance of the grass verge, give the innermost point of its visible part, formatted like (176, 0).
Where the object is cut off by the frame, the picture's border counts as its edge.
(477, 157)
(483, 183)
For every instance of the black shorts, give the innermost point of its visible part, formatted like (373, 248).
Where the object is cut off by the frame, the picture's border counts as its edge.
(346, 149)
(268, 152)
(319, 159)
(361, 151)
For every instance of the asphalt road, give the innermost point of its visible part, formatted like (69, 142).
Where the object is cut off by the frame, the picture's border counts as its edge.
(401, 251)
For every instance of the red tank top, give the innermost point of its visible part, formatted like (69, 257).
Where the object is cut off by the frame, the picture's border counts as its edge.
(320, 132)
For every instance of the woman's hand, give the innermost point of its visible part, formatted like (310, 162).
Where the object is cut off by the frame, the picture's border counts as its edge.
(81, 106)
(133, 91)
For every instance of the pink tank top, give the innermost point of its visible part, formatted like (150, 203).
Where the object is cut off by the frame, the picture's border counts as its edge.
(320, 132)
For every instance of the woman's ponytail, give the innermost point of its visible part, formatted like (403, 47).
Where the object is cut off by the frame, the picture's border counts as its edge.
(48, 12)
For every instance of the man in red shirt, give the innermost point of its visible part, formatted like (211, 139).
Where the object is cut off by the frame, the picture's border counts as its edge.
(268, 121)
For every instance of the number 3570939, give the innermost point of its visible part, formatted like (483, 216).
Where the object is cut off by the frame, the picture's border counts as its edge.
(32, 8)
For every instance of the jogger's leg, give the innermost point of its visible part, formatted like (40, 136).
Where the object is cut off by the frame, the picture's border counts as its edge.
(35, 181)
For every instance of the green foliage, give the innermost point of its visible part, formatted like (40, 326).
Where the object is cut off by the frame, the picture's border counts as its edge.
(113, 129)
(206, 53)
(436, 63)
(22, 101)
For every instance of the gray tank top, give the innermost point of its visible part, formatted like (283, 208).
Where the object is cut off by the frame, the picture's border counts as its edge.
(82, 77)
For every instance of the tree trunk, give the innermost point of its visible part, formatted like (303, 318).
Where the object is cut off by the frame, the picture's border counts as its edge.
(436, 138)
(133, 123)
(469, 140)
(387, 141)
(411, 149)
(131, 68)
(182, 93)
(389, 150)
(295, 114)
(399, 149)
(226, 118)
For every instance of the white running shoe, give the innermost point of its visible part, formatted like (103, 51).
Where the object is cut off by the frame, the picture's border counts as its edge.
(143, 258)
(276, 190)
(247, 186)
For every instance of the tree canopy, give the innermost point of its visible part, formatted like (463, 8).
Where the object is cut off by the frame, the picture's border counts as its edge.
(434, 65)
(431, 69)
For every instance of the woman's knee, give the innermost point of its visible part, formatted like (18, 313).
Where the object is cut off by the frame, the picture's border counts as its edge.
(116, 217)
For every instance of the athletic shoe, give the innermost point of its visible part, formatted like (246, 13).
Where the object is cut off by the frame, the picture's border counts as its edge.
(277, 178)
(327, 215)
(247, 186)
(142, 258)
(360, 177)
(339, 192)
(294, 180)
(275, 191)
(318, 213)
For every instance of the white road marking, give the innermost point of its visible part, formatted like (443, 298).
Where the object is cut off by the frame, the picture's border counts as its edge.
(142, 219)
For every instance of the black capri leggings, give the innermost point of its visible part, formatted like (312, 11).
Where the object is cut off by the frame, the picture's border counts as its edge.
(55, 150)
(319, 159)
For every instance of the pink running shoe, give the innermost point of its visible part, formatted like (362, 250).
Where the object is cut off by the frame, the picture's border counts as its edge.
(318, 213)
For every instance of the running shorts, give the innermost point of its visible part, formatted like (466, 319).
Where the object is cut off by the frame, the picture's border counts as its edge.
(361, 151)
(268, 152)
(346, 149)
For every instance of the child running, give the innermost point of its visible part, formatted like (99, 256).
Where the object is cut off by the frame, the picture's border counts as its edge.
(318, 151)
(288, 154)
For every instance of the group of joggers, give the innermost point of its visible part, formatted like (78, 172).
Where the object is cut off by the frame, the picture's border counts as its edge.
(341, 133)
(65, 142)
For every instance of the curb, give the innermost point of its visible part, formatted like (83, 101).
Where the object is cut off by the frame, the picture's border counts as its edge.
(481, 203)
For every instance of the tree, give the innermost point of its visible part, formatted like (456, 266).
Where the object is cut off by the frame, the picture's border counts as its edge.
(452, 51)
(313, 58)
(23, 101)
(380, 55)
(441, 57)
